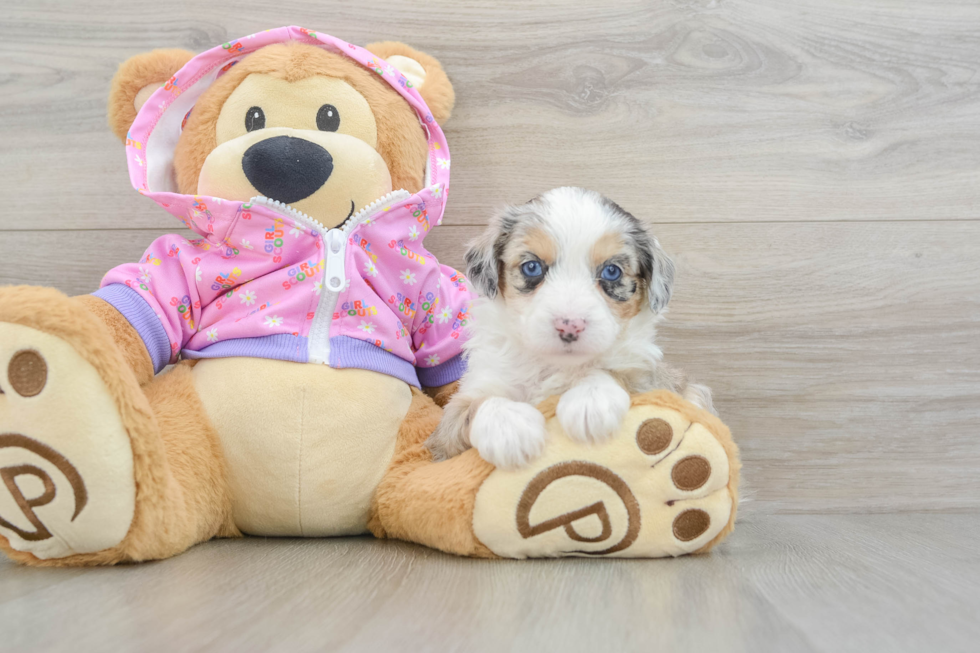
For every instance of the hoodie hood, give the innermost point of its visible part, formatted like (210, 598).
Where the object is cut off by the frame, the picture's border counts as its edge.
(152, 139)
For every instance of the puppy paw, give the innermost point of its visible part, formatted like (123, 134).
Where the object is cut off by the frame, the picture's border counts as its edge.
(508, 433)
(593, 410)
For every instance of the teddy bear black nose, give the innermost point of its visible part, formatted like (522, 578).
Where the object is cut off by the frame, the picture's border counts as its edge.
(287, 169)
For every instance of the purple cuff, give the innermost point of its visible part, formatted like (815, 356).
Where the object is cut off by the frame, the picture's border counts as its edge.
(279, 346)
(135, 309)
(350, 352)
(443, 373)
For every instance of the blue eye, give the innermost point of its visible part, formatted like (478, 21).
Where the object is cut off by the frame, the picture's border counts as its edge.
(611, 273)
(532, 269)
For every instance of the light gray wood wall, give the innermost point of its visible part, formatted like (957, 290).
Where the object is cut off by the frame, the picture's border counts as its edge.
(812, 166)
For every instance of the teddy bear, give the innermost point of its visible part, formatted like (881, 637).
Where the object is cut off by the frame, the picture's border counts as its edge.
(279, 372)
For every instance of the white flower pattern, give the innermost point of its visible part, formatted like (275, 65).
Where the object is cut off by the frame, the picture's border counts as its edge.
(370, 269)
(213, 334)
(247, 297)
(366, 327)
(444, 315)
(413, 233)
(273, 320)
(408, 277)
(432, 360)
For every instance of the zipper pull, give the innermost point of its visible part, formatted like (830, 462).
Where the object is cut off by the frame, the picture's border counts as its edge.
(335, 273)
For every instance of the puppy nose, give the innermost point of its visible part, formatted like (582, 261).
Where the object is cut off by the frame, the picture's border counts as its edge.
(569, 330)
(287, 169)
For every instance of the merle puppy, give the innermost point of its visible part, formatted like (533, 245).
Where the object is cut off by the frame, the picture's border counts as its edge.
(574, 288)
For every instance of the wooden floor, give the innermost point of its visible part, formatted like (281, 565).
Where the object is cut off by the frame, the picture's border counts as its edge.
(813, 166)
(841, 583)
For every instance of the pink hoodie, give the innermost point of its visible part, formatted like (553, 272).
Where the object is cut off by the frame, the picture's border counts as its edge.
(266, 281)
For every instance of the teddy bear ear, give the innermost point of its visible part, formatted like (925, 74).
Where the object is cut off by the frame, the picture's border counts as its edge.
(425, 74)
(136, 80)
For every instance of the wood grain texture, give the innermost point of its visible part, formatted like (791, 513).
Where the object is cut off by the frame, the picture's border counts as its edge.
(699, 110)
(782, 583)
(844, 356)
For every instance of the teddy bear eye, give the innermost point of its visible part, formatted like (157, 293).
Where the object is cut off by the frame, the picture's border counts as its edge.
(254, 119)
(328, 118)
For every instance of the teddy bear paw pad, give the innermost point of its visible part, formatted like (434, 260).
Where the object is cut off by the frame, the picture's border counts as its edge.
(66, 464)
(660, 487)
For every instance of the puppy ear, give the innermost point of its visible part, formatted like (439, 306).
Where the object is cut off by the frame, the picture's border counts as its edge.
(656, 269)
(423, 72)
(136, 80)
(482, 267)
(484, 257)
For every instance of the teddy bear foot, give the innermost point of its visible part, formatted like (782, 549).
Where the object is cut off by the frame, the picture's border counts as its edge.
(66, 462)
(665, 485)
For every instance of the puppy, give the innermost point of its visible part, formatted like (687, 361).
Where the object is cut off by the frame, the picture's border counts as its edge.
(574, 287)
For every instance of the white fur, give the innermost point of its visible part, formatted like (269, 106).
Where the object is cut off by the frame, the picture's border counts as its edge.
(508, 433)
(502, 363)
(514, 354)
(592, 409)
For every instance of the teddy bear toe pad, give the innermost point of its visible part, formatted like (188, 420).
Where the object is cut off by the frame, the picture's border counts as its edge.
(660, 487)
(66, 464)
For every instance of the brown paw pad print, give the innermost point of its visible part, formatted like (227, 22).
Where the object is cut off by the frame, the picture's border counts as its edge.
(691, 524)
(567, 521)
(690, 473)
(27, 505)
(654, 436)
(27, 373)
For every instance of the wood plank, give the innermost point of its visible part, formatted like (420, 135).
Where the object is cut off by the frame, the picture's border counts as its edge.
(744, 110)
(845, 357)
(781, 583)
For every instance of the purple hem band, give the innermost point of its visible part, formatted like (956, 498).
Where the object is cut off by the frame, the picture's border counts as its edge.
(279, 346)
(138, 312)
(351, 352)
(443, 373)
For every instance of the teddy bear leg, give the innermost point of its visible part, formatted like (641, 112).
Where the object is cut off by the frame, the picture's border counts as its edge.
(425, 502)
(196, 503)
(94, 468)
(665, 485)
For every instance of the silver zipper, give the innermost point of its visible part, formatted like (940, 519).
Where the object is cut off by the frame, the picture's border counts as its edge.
(335, 253)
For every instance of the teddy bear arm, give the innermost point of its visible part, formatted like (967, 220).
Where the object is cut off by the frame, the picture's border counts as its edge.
(127, 339)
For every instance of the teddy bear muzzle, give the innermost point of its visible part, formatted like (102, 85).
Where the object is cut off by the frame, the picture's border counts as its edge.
(327, 175)
(286, 168)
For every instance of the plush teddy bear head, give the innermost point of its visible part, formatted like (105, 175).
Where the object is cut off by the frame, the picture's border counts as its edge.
(295, 123)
